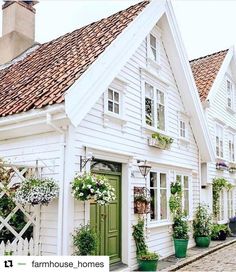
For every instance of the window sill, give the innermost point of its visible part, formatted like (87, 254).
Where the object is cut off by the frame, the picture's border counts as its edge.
(150, 129)
(164, 223)
(231, 111)
(152, 225)
(221, 222)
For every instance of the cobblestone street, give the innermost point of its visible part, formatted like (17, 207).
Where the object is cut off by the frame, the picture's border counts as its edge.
(221, 260)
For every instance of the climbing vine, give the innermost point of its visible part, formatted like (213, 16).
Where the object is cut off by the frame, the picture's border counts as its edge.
(175, 200)
(217, 186)
(138, 234)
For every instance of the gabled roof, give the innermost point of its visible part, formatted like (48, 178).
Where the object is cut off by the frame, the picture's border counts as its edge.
(205, 70)
(43, 77)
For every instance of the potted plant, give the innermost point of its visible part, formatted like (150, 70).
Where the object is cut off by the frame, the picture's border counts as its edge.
(147, 260)
(232, 169)
(142, 200)
(180, 235)
(202, 226)
(95, 187)
(85, 241)
(232, 225)
(36, 191)
(220, 232)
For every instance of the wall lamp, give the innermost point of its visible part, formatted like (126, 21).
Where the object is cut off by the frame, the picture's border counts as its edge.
(85, 160)
(144, 168)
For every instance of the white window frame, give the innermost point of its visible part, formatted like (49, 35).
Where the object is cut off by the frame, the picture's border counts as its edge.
(230, 203)
(120, 87)
(156, 33)
(231, 147)
(155, 99)
(230, 94)
(224, 214)
(158, 220)
(190, 215)
(221, 137)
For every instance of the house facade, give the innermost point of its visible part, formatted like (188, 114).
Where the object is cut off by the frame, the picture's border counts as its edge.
(69, 103)
(215, 78)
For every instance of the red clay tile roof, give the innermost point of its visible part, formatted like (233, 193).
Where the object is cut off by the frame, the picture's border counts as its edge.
(43, 77)
(205, 70)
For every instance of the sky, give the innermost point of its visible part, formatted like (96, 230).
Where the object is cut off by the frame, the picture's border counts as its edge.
(206, 26)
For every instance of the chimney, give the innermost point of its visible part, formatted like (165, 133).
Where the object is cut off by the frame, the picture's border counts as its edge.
(18, 28)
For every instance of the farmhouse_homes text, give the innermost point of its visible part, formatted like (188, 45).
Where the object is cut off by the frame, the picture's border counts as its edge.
(104, 99)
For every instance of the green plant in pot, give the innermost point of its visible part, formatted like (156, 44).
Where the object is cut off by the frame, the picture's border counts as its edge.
(85, 241)
(180, 235)
(147, 260)
(220, 232)
(202, 226)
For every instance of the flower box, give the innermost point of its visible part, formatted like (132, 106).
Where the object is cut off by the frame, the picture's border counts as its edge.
(156, 143)
(221, 166)
(232, 170)
(160, 141)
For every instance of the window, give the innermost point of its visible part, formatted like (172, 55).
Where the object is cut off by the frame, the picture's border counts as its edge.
(231, 147)
(230, 100)
(113, 101)
(149, 105)
(184, 180)
(182, 129)
(154, 107)
(159, 195)
(219, 141)
(153, 47)
(222, 206)
(160, 110)
(230, 203)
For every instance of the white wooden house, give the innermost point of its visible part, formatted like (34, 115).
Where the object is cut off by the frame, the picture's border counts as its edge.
(215, 78)
(87, 93)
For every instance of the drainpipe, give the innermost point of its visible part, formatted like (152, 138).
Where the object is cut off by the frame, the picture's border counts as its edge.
(61, 183)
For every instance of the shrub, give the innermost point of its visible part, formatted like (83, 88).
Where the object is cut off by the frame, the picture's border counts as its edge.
(217, 229)
(180, 227)
(202, 224)
(149, 256)
(85, 241)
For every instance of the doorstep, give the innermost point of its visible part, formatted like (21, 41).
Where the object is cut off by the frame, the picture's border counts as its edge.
(173, 264)
(119, 267)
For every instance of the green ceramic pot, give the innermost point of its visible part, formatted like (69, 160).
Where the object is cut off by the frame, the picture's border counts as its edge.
(202, 241)
(181, 246)
(147, 265)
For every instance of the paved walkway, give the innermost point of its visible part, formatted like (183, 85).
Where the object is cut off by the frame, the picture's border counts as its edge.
(194, 254)
(222, 260)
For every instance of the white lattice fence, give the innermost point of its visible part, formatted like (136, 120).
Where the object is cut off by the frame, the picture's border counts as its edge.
(19, 245)
(22, 247)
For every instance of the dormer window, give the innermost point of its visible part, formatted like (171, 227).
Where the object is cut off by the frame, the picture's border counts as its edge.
(230, 95)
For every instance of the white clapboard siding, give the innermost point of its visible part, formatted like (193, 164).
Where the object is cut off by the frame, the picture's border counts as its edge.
(133, 140)
(23, 247)
(218, 110)
(46, 149)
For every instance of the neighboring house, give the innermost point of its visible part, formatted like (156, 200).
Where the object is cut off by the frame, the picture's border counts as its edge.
(105, 89)
(215, 79)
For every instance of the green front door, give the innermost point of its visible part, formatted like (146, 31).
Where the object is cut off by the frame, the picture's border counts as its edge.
(106, 220)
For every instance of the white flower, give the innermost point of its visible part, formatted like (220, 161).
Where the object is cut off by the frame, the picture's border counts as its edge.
(81, 194)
